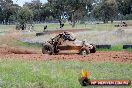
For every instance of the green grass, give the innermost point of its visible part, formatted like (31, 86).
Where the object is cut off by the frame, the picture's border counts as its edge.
(6, 28)
(27, 45)
(115, 48)
(109, 26)
(57, 74)
(55, 26)
(18, 73)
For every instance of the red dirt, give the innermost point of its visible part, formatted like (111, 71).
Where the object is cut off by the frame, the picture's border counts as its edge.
(7, 52)
(99, 56)
(13, 50)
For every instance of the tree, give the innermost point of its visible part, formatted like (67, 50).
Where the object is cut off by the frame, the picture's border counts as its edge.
(74, 9)
(25, 15)
(1, 15)
(8, 9)
(105, 10)
(40, 11)
(124, 6)
(46, 11)
(35, 6)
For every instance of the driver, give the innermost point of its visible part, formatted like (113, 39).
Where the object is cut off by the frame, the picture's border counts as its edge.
(67, 36)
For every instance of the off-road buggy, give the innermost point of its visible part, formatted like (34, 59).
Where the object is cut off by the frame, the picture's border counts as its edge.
(64, 41)
(122, 24)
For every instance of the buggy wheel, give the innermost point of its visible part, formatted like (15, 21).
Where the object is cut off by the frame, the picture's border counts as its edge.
(48, 49)
(84, 51)
(93, 50)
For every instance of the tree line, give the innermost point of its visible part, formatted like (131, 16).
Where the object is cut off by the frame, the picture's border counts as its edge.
(64, 10)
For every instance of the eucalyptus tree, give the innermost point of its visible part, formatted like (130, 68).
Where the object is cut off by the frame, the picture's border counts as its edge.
(25, 15)
(8, 11)
(73, 10)
(105, 10)
(124, 6)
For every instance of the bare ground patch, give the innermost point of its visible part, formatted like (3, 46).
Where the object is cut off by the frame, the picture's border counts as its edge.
(33, 54)
(99, 56)
(14, 50)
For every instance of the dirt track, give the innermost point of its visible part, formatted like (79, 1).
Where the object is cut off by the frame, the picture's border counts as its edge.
(122, 57)
(7, 52)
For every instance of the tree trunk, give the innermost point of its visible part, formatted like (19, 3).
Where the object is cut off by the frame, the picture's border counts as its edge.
(105, 21)
(73, 24)
(60, 22)
(73, 21)
(6, 21)
(111, 20)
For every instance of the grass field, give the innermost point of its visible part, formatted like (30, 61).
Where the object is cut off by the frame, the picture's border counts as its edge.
(96, 36)
(88, 25)
(55, 26)
(6, 28)
(22, 44)
(20, 73)
(16, 73)
(109, 26)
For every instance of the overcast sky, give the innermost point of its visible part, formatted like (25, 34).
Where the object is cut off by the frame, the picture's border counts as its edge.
(21, 2)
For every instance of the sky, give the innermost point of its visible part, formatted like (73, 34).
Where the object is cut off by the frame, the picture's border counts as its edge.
(21, 2)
